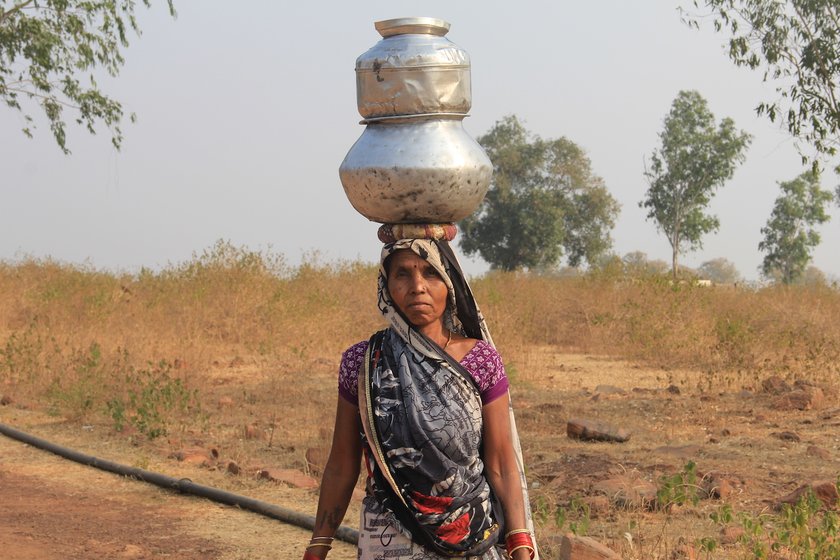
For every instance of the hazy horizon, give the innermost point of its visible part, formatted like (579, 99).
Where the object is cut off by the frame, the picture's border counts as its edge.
(245, 115)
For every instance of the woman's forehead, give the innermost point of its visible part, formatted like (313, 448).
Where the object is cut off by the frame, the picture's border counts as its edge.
(407, 258)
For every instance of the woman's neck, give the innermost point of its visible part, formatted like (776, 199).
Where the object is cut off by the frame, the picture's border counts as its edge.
(437, 332)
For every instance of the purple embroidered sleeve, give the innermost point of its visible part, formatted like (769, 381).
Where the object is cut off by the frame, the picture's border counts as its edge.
(348, 372)
(485, 365)
(482, 362)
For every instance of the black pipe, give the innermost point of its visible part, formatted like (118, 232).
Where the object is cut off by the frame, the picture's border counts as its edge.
(183, 485)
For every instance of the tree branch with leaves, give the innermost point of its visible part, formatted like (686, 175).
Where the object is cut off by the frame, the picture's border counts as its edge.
(49, 50)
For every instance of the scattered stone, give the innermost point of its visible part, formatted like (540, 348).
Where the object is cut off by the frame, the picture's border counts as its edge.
(253, 432)
(225, 402)
(775, 385)
(730, 535)
(316, 459)
(800, 399)
(681, 451)
(718, 486)
(610, 390)
(5, 400)
(590, 430)
(598, 505)
(825, 491)
(194, 456)
(132, 551)
(573, 547)
(233, 468)
(725, 432)
(673, 389)
(787, 436)
(628, 492)
(829, 414)
(819, 452)
(288, 476)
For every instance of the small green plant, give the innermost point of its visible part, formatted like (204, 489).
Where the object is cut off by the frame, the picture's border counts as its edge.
(679, 488)
(805, 530)
(577, 515)
(154, 399)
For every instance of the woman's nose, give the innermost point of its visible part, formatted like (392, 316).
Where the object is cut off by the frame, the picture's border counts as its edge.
(418, 283)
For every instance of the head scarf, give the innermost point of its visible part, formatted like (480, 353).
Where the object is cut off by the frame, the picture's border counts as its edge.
(423, 421)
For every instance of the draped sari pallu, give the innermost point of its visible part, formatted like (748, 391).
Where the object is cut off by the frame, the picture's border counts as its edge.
(422, 429)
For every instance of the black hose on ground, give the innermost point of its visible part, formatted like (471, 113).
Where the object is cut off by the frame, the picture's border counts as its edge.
(183, 485)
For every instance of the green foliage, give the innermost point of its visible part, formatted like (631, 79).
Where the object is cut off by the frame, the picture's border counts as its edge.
(678, 489)
(152, 400)
(805, 530)
(45, 48)
(544, 202)
(790, 233)
(796, 44)
(696, 157)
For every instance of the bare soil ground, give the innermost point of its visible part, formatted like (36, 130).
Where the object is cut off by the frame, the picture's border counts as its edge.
(55, 509)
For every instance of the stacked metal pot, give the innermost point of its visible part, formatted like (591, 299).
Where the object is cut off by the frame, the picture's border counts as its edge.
(414, 163)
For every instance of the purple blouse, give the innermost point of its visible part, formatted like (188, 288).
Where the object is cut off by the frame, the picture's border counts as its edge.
(482, 362)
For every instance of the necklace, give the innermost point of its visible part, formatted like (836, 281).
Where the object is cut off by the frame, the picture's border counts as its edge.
(448, 340)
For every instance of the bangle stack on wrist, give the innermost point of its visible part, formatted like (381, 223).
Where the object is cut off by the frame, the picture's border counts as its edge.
(317, 542)
(519, 538)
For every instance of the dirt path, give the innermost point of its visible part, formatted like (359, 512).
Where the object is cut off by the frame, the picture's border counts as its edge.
(56, 509)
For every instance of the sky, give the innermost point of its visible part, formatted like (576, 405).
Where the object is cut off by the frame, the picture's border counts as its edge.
(245, 112)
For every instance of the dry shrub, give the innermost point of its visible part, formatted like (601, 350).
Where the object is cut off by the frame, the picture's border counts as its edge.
(231, 305)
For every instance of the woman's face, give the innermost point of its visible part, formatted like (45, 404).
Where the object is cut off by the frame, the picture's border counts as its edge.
(416, 288)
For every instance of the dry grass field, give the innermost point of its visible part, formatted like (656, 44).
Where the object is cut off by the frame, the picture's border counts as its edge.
(730, 394)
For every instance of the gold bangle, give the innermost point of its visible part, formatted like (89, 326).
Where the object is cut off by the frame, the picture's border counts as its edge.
(516, 531)
(321, 539)
(313, 545)
(531, 548)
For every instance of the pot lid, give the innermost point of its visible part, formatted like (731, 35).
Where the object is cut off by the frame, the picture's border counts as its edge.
(401, 26)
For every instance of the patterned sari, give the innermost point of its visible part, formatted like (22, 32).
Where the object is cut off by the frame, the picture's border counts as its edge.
(428, 497)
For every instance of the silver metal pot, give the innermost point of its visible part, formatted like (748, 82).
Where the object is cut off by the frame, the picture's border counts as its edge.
(414, 163)
(413, 70)
(416, 171)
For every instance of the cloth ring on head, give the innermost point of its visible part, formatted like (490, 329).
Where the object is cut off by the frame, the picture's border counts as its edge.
(389, 233)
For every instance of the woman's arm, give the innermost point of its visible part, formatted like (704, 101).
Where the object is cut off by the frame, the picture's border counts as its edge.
(500, 466)
(340, 474)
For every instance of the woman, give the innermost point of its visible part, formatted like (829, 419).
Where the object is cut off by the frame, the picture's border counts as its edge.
(429, 397)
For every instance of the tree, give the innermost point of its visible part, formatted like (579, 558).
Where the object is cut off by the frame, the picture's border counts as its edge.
(695, 159)
(637, 263)
(797, 45)
(719, 271)
(790, 232)
(45, 48)
(544, 202)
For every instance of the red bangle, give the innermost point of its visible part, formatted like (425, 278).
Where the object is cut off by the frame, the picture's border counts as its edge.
(309, 556)
(518, 540)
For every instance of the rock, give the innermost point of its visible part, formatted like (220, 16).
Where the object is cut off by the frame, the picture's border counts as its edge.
(829, 414)
(825, 491)
(673, 389)
(573, 547)
(787, 436)
(730, 535)
(6, 400)
(316, 459)
(589, 430)
(598, 505)
(233, 468)
(744, 394)
(819, 452)
(800, 399)
(684, 551)
(225, 402)
(681, 451)
(195, 456)
(775, 385)
(610, 390)
(627, 491)
(253, 432)
(718, 486)
(288, 476)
